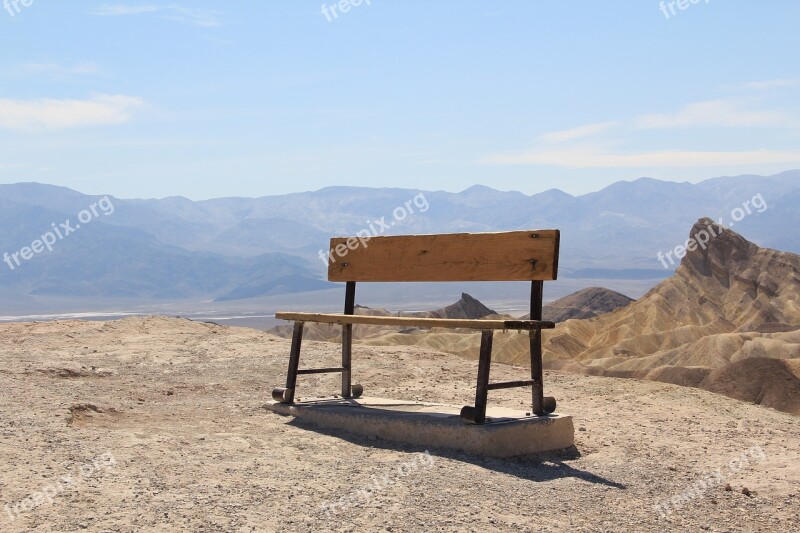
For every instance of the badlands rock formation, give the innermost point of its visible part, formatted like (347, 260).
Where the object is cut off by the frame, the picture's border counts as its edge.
(727, 321)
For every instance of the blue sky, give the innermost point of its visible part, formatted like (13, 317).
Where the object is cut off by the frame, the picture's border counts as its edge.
(250, 98)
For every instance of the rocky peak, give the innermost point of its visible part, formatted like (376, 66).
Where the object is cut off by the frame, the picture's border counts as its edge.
(466, 307)
(715, 250)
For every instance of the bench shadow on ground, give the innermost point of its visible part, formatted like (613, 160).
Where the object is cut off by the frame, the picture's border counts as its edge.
(538, 468)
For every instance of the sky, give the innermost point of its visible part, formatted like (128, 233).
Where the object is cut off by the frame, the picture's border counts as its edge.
(250, 98)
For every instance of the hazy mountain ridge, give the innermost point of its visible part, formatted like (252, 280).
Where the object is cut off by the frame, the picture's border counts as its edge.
(116, 261)
(175, 247)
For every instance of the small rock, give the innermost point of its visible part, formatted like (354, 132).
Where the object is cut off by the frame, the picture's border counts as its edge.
(746, 491)
(581, 429)
(728, 487)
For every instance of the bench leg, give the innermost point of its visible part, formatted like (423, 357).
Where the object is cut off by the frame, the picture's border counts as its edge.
(536, 349)
(537, 372)
(286, 395)
(542, 405)
(349, 390)
(347, 359)
(477, 414)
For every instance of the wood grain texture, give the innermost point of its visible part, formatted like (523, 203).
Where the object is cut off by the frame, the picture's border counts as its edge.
(530, 255)
(520, 325)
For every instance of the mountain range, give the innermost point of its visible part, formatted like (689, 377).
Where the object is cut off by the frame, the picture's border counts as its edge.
(230, 249)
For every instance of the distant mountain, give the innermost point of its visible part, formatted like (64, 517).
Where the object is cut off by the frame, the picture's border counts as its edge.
(116, 262)
(467, 307)
(586, 303)
(234, 248)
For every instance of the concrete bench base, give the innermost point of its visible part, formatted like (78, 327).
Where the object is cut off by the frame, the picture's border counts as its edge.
(507, 433)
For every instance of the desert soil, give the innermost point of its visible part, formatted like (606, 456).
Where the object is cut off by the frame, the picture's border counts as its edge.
(157, 424)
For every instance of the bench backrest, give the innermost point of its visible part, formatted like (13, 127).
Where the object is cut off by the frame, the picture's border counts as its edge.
(530, 255)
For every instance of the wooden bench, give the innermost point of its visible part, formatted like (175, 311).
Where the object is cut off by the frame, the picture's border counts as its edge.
(509, 256)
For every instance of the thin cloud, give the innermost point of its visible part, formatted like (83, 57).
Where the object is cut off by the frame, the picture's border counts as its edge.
(728, 113)
(595, 158)
(724, 113)
(580, 132)
(204, 18)
(58, 114)
(592, 146)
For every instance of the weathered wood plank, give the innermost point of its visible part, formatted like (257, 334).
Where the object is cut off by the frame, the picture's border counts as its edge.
(521, 325)
(530, 255)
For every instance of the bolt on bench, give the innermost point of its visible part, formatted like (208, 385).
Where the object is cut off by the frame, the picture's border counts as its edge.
(508, 256)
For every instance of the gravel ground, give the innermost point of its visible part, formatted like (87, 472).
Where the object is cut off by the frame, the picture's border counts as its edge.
(156, 424)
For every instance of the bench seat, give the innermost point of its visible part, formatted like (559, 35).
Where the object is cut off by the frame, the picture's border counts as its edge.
(477, 324)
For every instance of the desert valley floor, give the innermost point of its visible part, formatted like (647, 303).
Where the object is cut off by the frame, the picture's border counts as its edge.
(157, 424)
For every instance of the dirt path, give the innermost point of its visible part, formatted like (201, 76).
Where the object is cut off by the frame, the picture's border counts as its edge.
(157, 424)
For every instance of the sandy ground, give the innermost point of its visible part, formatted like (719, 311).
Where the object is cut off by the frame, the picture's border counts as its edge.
(155, 424)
